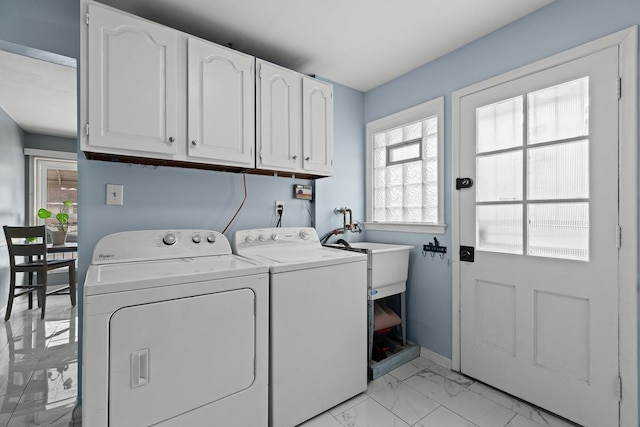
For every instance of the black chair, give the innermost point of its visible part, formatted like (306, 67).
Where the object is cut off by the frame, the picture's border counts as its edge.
(28, 254)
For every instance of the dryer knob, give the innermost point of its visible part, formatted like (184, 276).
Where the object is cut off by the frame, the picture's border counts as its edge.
(262, 238)
(211, 238)
(275, 237)
(169, 239)
(249, 239)
(196, 238)
(304, 234)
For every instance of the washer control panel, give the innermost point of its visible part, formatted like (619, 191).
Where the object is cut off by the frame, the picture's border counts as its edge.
(159, 244)
(263, 237)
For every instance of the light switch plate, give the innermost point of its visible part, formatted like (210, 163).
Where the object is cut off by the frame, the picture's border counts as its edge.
(115, 194)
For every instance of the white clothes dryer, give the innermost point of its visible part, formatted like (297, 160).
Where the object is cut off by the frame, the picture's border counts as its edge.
(175, 332)
(318, 321)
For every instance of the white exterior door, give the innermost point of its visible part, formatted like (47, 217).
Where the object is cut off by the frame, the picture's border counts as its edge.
(221, 105)
(539, 303)
(317, 126)
(132, 83)
(279, 106)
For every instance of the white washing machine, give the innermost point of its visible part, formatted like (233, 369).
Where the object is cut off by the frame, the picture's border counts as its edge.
(175, 332)
(318, 321)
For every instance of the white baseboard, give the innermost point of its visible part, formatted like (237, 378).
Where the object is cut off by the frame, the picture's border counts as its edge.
(435, 357)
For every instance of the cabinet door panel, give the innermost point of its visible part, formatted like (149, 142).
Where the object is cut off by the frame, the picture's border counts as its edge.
(221, 105)
(132, 83)
(317, 125)
(279, 118)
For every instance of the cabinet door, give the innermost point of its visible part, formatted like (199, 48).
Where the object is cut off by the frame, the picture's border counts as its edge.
(317, 126)
(132, 84)
(221, 105)
(280, 116)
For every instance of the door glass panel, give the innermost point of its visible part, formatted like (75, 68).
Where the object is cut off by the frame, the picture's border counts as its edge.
(499, 125)
(559, 171)
(559, 112)
(559, 230)
(499, 177)
(499, 228)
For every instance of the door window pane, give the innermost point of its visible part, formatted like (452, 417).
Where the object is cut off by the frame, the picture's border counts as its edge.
(559, 171)
(559, 230)
(499, 177)
(559, 112)
(499, 228)
(499, 125)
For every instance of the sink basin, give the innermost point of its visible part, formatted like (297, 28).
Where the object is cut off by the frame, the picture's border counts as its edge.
(388, 267)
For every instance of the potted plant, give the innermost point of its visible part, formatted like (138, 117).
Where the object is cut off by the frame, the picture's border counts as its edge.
(59, 234)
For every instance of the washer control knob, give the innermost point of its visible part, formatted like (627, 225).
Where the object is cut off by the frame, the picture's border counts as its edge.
(249, 239)
(211, 238)
(275, 237)
(196, 238)
(304, 234)
(262, 238)
(169, 239)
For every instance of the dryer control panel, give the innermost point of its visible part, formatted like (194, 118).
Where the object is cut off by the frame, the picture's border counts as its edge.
(144, 245)
(278, 237)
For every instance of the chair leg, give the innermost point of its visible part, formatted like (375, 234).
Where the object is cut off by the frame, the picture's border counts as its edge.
(30, 293)
(43, 293)
(72, 284)
(12, 291)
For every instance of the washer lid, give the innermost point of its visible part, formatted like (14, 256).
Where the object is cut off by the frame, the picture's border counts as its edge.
(130, 276)
(300, 257)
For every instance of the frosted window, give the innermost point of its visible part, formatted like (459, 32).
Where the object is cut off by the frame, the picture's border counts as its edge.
(559, 171)
(559, 230)
(499, 125)
(405, 173)
(559, 112)
(499, 177)
(499, 228)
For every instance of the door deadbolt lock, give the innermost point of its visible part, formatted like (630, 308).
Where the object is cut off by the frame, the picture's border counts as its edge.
(467, 253)
(464, 183)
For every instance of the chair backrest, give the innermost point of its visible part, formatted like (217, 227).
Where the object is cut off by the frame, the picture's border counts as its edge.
(29, 241)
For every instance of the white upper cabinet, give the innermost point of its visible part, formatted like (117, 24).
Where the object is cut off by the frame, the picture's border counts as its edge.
(279, 105)
(221, 103)
(317, 126)
(154, 95)
(132, 85)
(295, 122)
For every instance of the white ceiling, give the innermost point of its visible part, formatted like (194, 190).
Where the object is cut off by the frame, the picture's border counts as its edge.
(357, 43)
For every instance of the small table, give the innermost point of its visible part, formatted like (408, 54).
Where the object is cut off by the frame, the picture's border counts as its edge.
(67, 247)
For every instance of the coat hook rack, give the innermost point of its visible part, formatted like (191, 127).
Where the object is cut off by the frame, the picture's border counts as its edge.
(434, 248)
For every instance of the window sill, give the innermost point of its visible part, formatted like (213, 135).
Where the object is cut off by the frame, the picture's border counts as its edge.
(406, 227)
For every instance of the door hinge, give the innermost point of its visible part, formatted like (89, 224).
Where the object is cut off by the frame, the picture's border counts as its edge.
(618, 390)
(86, 129)
(618, 236)
(86, 18)
(619, 87)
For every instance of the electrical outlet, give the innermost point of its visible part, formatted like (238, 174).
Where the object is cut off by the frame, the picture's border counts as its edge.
(279, 206)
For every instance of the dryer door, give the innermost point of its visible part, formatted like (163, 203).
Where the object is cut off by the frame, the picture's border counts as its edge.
(170, 357)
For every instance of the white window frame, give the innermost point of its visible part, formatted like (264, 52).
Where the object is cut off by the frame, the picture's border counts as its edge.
(434, 107)
(39, 162)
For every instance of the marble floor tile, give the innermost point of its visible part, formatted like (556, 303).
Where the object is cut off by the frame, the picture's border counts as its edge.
(443, 417)
(434, 386)
(370, 414)
(405, 371)
(322, 420)
(405, 402)
(425, 363)
(480, 410)
(356, 400)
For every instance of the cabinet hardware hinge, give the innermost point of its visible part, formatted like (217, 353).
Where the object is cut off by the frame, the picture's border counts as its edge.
(619, 87)
(86, 129)
(86, 18)
(618, 236)
(618, 390)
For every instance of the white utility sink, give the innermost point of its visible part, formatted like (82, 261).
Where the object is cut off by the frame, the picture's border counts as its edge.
(388, 264)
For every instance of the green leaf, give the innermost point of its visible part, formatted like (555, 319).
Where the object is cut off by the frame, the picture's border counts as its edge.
(67, 203)
(44, 214)
(62, 217)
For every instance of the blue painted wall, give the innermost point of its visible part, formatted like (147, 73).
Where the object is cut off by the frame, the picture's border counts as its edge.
(12, 190)
(50, 142)
(560, 26)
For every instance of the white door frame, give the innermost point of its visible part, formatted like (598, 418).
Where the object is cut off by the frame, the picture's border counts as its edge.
(627, 41)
